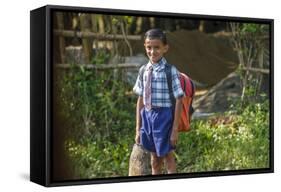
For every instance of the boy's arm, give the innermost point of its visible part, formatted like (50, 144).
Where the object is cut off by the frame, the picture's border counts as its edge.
(140, 105)
(178, 110)
(178, 94)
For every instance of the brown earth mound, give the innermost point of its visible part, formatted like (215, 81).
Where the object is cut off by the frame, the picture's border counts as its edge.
(219, 97)
(204, 57)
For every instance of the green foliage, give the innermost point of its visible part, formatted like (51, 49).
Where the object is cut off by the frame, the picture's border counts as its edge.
(98, 118)
(240, 142)
(98, 160)
(94, 104)
(253, 28)
(100, 128)
(128, 19)
(101, 57)
(251, 41)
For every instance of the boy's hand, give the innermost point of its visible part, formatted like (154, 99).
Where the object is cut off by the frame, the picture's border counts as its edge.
(174, 137)
(178, 109)
(137, 138)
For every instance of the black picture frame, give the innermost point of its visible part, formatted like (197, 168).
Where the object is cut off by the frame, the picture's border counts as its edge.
(42, 96)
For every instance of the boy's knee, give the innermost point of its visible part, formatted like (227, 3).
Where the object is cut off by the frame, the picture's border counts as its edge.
(156, 161)
(170, 156)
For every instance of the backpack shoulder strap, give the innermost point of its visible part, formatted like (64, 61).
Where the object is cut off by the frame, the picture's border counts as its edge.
(168, 71)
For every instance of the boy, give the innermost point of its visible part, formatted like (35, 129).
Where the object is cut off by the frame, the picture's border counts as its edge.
(156, 117)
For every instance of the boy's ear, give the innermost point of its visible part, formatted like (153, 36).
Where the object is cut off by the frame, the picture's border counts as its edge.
(166, 48)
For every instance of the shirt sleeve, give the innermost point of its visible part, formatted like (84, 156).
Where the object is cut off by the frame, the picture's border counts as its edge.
(138, 88)
(176, 84)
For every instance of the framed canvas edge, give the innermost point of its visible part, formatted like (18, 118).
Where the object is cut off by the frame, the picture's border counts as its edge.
(48, 85)
(157, 13)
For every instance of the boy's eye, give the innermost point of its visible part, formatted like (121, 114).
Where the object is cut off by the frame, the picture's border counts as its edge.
(149, 48)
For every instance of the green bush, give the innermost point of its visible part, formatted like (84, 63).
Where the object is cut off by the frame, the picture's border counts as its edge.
(94, 104)
(97, 112)
(98, 160)
(240, 143)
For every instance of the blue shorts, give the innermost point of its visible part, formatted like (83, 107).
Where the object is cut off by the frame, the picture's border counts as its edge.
(156, 130)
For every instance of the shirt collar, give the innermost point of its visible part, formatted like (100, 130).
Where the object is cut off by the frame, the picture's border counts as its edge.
(158, 66)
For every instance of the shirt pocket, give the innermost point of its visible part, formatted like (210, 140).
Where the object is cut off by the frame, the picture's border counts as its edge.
(159, 76)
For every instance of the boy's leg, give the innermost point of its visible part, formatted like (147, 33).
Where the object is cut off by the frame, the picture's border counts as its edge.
(170, 163)
(156, 164)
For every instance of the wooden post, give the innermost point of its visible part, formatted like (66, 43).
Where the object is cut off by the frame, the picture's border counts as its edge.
(139, 162)
(101, 37)
(101, 66)
(94, 19)
(139, 25)
(86, 42)
(201, 27)
(59, 17)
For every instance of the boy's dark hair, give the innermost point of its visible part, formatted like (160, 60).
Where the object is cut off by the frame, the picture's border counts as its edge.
(156, 34)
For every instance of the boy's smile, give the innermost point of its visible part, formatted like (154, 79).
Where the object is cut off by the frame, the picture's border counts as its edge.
(155, 49)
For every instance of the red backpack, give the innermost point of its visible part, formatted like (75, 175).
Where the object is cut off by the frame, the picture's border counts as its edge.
(187, 110)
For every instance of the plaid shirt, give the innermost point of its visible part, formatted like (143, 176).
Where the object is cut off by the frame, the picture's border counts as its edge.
(159, 87)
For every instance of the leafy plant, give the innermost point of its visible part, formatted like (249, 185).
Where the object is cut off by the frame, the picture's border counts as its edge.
(251, 42)
(241, 142)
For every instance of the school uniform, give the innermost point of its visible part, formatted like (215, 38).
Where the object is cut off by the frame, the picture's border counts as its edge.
(157, 116)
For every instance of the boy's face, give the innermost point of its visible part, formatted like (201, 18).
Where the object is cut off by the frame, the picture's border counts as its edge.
(155, 49)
